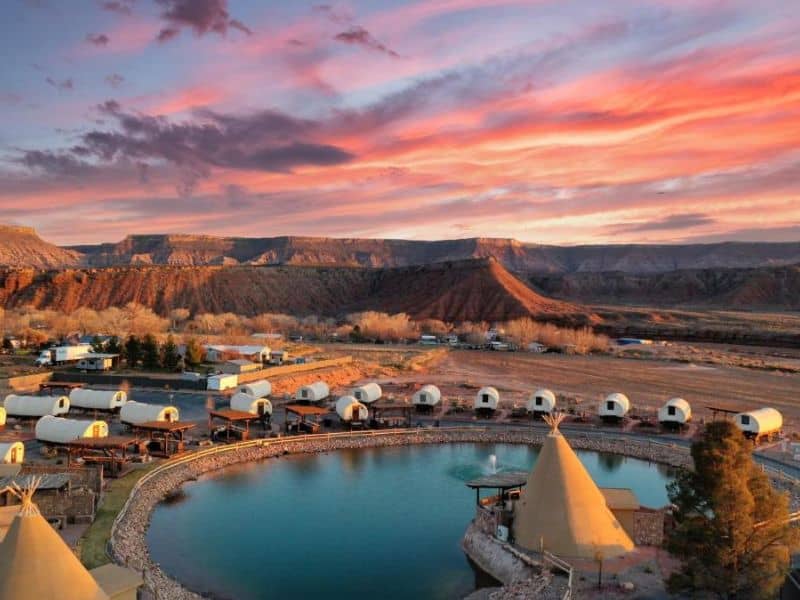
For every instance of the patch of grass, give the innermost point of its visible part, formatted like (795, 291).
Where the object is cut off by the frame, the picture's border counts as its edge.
(92, 546)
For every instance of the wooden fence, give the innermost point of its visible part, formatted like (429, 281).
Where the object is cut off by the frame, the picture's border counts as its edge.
(293, 369)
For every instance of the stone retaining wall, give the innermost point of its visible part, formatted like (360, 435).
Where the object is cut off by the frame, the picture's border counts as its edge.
(128, 546)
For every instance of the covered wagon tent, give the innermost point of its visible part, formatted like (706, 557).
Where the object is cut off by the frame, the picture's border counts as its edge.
(367, 393)
(29, 407)
(614, 408)
(761, 424)
(36, 564)
(542, 402)
(251, 404)
(12, 453)
(351, 411)
(134, 413)
(562, 510)
(675, 414)
(101, 400)
(486, 401)
(426, 398)
(60, 431)
(314, 392)
(258, 389)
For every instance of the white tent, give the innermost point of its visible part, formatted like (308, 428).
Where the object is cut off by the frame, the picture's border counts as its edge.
(367, 393)
(427, 395)
(36, 406)
(486, 399)
(97, 399)
(134, 413)
(258, 389)
(349, 409)
(56, 430)
(542, 401)
(676, 411)
(614, 407)
(761, 422)
(12, 452)
(315, 392)
(251, 404)
(2, 416)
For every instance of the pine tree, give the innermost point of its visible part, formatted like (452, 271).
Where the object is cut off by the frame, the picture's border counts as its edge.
(97, 344)
(113, 346)
(169, 354)
(151, 357)
(194, 354)
(731, 533)
(133, 351)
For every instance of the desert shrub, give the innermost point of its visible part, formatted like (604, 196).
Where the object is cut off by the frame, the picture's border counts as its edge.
(382, 326)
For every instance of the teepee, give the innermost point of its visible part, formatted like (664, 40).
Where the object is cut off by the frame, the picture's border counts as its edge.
(563, 510)
(36, 564)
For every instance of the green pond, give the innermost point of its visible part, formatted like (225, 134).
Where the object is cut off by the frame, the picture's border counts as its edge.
(373, 523)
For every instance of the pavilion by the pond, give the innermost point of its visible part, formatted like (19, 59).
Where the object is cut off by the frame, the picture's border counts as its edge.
(558, 508)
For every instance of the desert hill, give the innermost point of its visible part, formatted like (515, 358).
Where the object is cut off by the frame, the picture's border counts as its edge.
(765, 288)
(473, 290)
(22, 247)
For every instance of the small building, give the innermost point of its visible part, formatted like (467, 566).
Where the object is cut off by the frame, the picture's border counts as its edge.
(221, 353)
(222, 382)
(614, 408)
(119, 583)
(278, 357)
(763, 423)
(314, 392)
(257, 389)
(426, 397)
(57, 430)
(35, 406)
(486, 401)
(135, 413)
(675, 413)
(108, 400)
(542, 402)
(367, 393)
(96, 361)
(251, 404)
(239, 366)
(12, 453)
(351, 410)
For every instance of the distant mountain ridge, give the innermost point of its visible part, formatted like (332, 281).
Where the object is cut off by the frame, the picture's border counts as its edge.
(22, 247)
(190, 250)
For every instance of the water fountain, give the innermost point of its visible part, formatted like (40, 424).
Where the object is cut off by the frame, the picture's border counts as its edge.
(493, 464)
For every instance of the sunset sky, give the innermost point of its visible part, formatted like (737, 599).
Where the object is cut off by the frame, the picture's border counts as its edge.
(549, 121)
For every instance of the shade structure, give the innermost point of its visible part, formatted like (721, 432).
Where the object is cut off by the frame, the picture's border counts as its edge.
(97, 399)
(251, 404)
(367, 393)
(258, 389)
(427, 395)
(562, 509)
(36, 564)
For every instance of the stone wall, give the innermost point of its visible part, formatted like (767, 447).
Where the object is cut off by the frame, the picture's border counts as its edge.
(80, 477)
(648, 527)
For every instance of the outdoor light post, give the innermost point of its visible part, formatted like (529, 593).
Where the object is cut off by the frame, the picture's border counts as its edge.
(598, 556)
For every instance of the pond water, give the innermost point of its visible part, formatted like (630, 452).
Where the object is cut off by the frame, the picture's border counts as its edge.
(372, 523)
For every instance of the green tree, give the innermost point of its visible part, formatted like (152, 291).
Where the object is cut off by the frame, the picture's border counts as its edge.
(194, 353)
(169, 354)
(98, 345)
(731, 533)
(113, 346)
(151, 357)
(133, 351)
